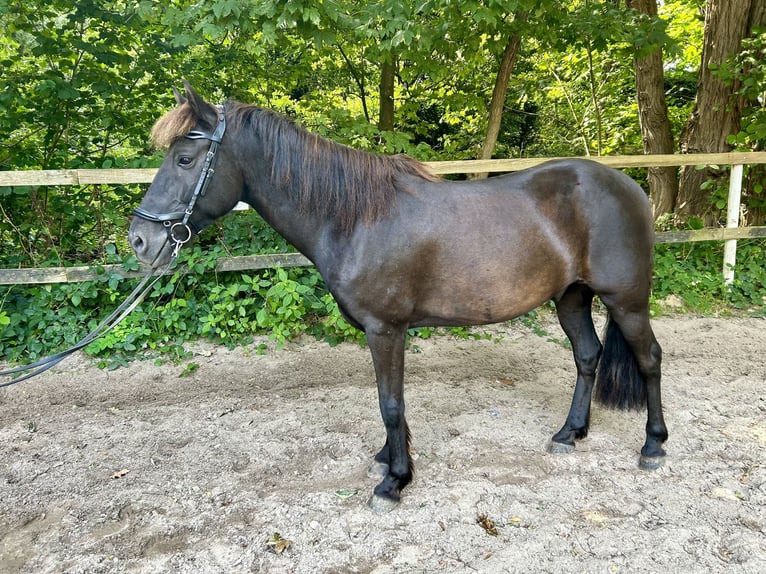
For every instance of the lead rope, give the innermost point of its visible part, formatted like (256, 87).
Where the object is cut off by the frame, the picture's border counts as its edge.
(115, 318)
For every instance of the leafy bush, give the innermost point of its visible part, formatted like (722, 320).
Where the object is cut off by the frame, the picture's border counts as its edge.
(231, 308)
(227, 308)
(693, 272)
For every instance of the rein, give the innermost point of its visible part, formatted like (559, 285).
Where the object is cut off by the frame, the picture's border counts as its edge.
(127, 306)
(172, 227)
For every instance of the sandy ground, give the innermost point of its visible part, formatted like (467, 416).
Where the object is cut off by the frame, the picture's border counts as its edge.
(256, 463)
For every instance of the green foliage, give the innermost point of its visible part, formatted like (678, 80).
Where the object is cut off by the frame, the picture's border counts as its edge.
(50, 316)
(693, 273)
(226, 308)
(77, 91)
(83, 82)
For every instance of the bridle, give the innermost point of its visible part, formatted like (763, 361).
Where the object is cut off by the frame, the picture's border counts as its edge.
(176, 222)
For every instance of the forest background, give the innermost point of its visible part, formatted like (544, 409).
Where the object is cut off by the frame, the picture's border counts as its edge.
(82, 83)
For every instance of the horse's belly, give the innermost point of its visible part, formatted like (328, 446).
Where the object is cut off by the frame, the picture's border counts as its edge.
(449, 280)
(478, 305)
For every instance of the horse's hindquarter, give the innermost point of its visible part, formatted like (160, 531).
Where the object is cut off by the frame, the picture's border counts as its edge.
(480, 252)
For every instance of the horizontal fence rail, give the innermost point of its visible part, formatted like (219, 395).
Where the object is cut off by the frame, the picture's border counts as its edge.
(128, 176)
(35, 178)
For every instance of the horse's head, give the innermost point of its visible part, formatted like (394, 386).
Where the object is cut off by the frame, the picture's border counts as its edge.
(196, 183)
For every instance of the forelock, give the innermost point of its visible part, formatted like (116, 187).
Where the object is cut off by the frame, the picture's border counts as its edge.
(174, 125)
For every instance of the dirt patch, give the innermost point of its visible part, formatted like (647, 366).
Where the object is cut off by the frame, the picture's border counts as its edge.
(257, 463)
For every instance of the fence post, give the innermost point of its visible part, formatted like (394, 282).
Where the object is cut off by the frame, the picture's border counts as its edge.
(732, 220)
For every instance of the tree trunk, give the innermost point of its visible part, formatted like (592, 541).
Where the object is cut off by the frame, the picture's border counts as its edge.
(387, 76)
(716, 113)
(653, 119)
(499, 93)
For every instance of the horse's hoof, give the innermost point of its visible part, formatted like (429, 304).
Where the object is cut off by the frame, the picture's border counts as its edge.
(560, 447)
(377, 470)
(651, 462)
(381, 505)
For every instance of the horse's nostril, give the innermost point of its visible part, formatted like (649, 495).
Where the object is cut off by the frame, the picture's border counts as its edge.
(137, 243)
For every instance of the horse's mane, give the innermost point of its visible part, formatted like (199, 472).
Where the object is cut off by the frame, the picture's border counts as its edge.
(325, 177)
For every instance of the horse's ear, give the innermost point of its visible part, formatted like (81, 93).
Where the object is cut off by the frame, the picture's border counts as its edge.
(202, 110)
(179, 98)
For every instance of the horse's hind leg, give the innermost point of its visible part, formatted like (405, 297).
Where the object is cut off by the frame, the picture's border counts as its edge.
(574, 313)
(637, 331)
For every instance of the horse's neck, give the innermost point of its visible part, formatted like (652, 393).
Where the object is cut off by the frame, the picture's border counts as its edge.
(280, 209)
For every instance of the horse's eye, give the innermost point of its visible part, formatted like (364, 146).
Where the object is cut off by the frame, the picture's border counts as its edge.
(185, 160)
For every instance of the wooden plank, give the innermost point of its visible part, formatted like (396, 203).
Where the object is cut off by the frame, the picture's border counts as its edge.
(118, 176)
(669, 160)
(720, 234)
(75, 177)
(36, 276)
(617, 161)
(247, 262)
(128, 176)
(33, 276)
(39, 177)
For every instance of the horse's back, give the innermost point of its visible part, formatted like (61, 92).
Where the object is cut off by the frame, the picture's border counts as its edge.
(577, 204)
(578, 183)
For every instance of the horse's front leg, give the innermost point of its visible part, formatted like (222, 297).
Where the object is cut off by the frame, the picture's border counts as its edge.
(387, 348)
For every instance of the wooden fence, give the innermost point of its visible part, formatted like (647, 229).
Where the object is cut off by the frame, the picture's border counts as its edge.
(730, 234)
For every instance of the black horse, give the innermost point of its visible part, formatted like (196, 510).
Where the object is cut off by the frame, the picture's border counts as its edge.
(399, 247)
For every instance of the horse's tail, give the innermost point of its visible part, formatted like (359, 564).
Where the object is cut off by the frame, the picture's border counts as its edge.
(619, 383)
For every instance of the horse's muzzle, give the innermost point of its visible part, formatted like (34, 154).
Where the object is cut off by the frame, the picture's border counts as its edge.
(149, 242)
